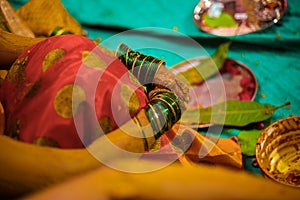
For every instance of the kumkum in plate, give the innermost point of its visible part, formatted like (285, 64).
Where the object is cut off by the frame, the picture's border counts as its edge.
(235, 81)
(237, 17)
(278, 151)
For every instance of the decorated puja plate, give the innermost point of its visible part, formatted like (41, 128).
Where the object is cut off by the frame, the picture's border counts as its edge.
(235, 81)
(278, 151)
(237, 17)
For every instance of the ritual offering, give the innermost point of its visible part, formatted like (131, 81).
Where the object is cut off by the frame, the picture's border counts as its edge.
(237, 17)
(69, 104)
(238, 83)
(278, 151)
(37, 96)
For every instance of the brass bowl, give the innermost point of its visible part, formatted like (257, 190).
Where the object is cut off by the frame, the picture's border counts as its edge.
(278, 151)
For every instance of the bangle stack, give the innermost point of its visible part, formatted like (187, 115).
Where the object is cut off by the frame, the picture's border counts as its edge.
(163, 111)
(143, 67)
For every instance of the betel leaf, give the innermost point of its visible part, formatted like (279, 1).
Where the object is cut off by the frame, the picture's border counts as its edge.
(207, 66)
(247, 140)
(224, 20)
(230, 113)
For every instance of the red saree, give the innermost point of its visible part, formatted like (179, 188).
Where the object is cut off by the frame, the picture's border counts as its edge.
(68, 79)
(37, 92)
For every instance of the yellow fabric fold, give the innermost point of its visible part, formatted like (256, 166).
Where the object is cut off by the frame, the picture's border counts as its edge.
(44, 16)
(217, 151)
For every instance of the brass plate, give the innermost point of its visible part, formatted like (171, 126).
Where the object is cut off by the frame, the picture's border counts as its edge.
(278, 151)
(237, 17)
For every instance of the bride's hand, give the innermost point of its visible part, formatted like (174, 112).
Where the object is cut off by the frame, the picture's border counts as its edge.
(167, 79)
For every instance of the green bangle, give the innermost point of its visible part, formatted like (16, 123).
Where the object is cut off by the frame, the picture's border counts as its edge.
(171, 101)
(152, 69)
(157, 120)
(163, 111)
(143, 67)
(59, 31)
(166, 112)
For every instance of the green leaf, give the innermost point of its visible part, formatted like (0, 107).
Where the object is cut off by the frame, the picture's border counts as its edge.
(224, 20)
(247, 140)
(221, 53)
(208, 66)
(230, 113)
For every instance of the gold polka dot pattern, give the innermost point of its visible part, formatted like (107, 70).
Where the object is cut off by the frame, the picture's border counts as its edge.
(68, 96)
(17, 71)
(33, 89)
(44, 141)
(105, 50)
(52, 57)
(14, 129)
(130, 99)
(91, 59)
(105, 124)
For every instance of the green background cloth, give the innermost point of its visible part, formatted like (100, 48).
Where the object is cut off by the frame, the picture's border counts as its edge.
(273, 59)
